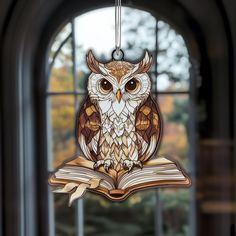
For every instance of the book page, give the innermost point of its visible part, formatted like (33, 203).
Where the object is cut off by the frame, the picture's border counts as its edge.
(82, 174)
(166, 172)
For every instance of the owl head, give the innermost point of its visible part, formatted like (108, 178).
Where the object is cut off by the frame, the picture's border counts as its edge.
(118, 84)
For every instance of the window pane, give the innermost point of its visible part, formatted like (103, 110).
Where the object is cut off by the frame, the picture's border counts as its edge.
(65, 220)
(61, 36)
(60, 69)
(175, 211)
(172, 60)
(133, 217)
(63, 123)
(63, 147)
(175, 143)
(175, 113)
(139, 30)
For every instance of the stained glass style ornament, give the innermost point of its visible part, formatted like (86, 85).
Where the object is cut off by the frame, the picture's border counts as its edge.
(119, 130)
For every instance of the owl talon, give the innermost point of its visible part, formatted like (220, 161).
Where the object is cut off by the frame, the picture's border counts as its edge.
(98, 164)
(107, 164)
(129, 164)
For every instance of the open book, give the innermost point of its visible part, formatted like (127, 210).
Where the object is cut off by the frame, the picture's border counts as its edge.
(77, 176)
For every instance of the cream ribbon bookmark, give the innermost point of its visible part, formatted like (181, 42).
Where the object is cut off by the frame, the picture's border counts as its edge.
(80, 189)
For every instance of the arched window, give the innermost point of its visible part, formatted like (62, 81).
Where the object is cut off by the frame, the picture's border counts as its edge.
(154, 212)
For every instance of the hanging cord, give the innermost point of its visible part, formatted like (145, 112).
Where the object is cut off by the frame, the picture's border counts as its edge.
(117, 53)
(118, 25)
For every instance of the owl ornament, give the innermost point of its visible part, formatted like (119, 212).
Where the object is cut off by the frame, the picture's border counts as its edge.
(119, 125)
(118, 129)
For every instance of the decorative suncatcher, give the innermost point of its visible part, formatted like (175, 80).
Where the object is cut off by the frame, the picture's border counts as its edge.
(119, 130)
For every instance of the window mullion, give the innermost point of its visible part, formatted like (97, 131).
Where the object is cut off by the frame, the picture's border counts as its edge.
(65, 93)
(79, 203)
(192, 127)
(51, 211)
(158, 209)
(74, 62)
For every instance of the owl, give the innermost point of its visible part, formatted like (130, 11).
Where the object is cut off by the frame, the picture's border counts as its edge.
(119, 123)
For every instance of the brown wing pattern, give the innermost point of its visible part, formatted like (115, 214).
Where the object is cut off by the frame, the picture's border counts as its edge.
(148, 127)
(88, 129)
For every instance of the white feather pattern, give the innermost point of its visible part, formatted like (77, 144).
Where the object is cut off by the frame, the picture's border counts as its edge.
(151, 147)
(94, 143)
(83, 146)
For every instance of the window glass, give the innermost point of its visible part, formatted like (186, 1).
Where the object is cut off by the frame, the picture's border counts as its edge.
(63, 125)
(175, 202)
(60, 62)
(172, 60)
(64, 216)
(175, 114)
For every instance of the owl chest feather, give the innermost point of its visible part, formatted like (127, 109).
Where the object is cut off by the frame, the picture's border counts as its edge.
(118, 139)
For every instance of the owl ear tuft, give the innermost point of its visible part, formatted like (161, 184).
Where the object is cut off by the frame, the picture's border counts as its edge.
(94, 65)
(92, 62)
(144, 65)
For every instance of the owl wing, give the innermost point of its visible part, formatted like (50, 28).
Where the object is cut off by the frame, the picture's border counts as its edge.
(88, 129)
(148, 128)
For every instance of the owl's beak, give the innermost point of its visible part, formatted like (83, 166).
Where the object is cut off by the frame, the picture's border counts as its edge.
(118, 95)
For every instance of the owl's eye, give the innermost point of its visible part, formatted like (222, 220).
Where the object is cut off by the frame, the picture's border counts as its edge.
(105, 85)
(132, 85)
